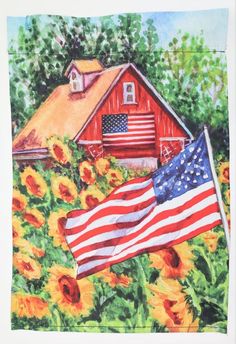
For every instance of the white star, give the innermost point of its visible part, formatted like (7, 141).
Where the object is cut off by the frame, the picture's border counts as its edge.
(205, 176)
(191, 149)
(186, 186)
(199, 150)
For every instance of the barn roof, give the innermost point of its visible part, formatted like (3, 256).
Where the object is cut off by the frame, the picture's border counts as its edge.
(66, 114)
(85, 66)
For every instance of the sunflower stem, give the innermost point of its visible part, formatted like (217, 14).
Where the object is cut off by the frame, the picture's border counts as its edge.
(57, 322)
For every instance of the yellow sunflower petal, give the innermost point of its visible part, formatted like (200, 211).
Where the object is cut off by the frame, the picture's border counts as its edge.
(224, 172)
(19, 201)
(34, 217)
(174, 262)
(102, 166)
(64, 188)
(87, 173)
(56, 229)
(73, 297)
(27, 266)
(59, 150)
(34, 182)
(29, 306)
(91, 197)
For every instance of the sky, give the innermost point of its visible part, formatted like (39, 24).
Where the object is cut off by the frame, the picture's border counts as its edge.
(213, 24)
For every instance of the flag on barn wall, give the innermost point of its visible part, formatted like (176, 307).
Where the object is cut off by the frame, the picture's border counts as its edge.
(120, 210)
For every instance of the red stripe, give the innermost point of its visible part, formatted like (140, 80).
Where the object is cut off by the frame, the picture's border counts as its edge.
(150, 249)
(110, 209)
(73, 213)
(110, 227)
(171, 228)
(161, 216)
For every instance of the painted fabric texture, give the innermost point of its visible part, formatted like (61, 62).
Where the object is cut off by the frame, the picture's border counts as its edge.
(121, 194)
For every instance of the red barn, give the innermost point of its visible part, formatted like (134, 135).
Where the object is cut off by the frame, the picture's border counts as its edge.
(108, 111)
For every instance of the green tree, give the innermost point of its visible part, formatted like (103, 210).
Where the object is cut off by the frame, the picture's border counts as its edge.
(188, 75)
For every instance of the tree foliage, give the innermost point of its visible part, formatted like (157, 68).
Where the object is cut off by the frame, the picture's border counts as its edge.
(189, 76)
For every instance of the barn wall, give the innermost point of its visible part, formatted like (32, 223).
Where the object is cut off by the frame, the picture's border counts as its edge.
(166, 125)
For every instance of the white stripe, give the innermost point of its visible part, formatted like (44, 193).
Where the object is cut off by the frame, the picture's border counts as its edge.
(134, 186)
(128, 138)
(127, 231)
(138, 126)
(141, 116)
(107, 220)
(160, 240)
(81, 219)
(129, 143)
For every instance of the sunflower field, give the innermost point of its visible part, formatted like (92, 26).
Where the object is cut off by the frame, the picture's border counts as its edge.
(179, 289)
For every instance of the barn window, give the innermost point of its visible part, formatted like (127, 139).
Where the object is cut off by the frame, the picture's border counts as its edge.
(128, 93)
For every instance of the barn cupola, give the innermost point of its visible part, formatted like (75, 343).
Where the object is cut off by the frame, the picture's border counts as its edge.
(81, 73)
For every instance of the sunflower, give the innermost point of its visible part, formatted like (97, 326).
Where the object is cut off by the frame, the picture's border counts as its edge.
(59, 150)
(29, 306)
(102, 166)
(211, 240)
(91, 197)
(17, 230)
(169, 307)
(19, 201)
(86, 172)
(56, 229)
(114, 280)
(34, 217)
(27, 266)
(26, 247)
(73, 297)
(64, 188)
(224, 172)
(114, 178)
(34, 182)
(174, 262)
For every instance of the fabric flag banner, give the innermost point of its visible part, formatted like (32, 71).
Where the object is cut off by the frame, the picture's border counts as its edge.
(174, 204)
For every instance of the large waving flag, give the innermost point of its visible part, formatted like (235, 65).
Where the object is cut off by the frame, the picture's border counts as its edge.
(177, 202)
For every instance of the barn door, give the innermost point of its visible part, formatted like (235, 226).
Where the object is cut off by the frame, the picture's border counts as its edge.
(170, 147)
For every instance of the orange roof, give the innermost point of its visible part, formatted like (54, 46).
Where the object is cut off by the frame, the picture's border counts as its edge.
(85, 66)
(64, 113)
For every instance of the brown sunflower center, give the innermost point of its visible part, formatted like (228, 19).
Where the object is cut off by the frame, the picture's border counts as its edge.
(87, 173)
(60, 225)
(59, 153)
(226, 172)
(168, 304)
(65, 192)
(91, 201)
(33, 185)
(171, 257)
(16, 204)
(27, 266)
(69, 289)
(32, 219)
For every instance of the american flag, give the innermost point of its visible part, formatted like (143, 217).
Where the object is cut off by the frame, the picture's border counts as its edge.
(175, 203)
(128, 129)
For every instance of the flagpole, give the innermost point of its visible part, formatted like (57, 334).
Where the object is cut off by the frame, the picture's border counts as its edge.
(218, 192)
